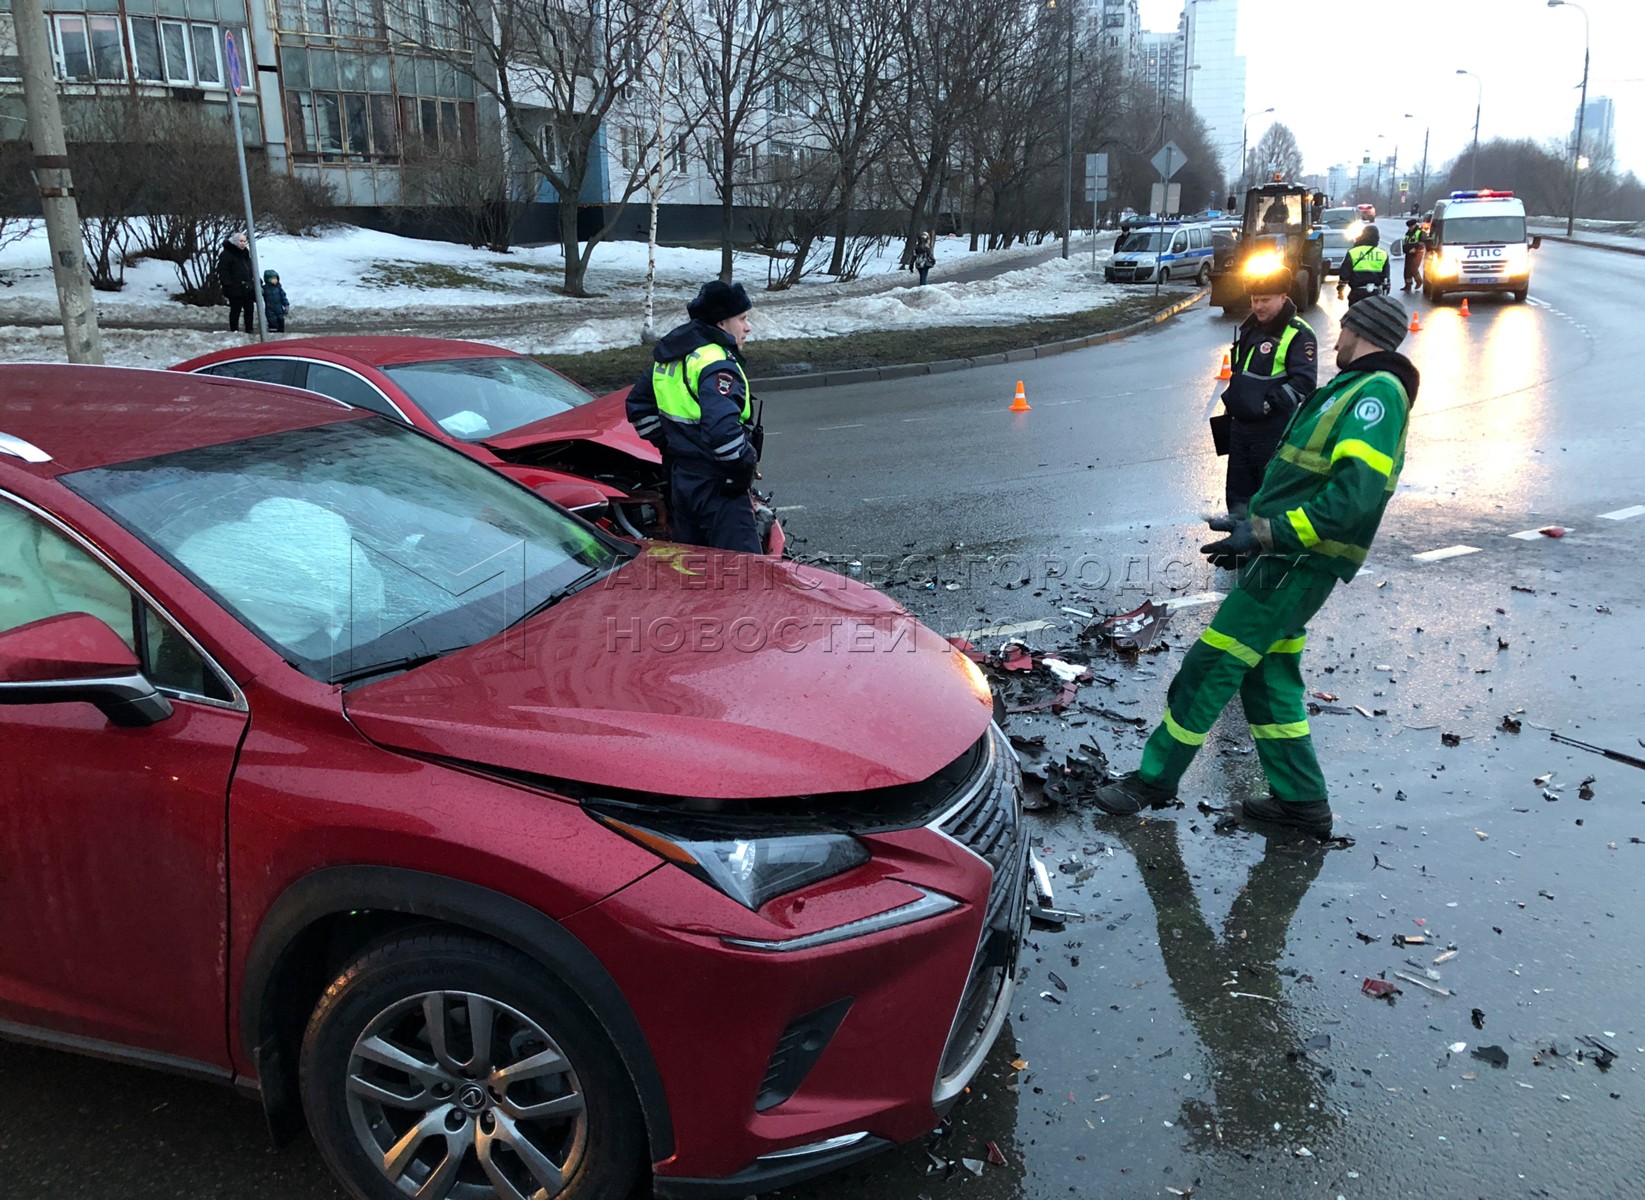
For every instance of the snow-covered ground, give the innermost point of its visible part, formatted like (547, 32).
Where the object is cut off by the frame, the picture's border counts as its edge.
(359, 280)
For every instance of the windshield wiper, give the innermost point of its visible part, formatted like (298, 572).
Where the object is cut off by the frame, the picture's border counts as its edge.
(389, 666)
(560, 593)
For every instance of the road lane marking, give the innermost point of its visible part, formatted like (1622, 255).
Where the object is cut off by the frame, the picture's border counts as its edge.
(856, 425)
(1624, 514)
(790, 508)
(1447, 552)
(877, 499)
(994, 631)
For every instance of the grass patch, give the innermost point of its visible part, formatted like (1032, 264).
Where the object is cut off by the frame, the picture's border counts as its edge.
(429, 275)
(606, 370)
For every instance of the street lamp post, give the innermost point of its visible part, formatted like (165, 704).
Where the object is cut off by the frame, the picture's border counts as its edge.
(1581, 114)
(1479, 100)
(1244, 138)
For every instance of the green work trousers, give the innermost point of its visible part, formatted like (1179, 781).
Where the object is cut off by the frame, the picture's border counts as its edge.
(1253, 647)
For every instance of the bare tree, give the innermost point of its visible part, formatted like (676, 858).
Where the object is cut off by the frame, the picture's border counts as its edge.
(740, 53)
(111, 155)
(1276, 153)
(558, 71)
(953, 56)
(477, 194)
(850, 69)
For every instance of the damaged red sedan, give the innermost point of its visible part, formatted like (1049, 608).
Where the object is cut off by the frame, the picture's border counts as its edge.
(502, 408)
(514, 858)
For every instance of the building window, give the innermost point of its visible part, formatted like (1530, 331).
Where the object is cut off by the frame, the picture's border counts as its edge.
(160, 51)
(631, 145)
(208, 67)
(89, 48)
(682, 153)
(11, 66)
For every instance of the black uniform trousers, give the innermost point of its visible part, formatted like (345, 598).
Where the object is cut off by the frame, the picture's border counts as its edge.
(1250, 445)
(703, 515)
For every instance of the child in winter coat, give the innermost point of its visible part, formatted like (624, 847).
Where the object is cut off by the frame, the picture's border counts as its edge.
(275, 304)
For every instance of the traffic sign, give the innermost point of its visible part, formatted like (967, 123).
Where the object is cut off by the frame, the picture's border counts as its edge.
(1094, 194)
(232, 54)
(1165, 201)
(1096, 170)
(1169, 160)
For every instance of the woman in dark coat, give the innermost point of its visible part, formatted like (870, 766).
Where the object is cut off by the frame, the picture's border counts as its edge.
(238, 283)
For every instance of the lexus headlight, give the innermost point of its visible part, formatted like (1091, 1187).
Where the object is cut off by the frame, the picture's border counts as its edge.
(749, 870)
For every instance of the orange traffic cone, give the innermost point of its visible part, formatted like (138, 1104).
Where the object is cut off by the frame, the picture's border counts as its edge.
(1465, 306)
(1416, 325)
(1227, 367)
(1020, 404)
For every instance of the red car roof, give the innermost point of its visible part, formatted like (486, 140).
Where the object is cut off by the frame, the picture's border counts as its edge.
(92, 416)
(372, 351)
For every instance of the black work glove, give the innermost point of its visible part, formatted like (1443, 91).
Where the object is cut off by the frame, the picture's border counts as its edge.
(738, 479)
(1240, 543)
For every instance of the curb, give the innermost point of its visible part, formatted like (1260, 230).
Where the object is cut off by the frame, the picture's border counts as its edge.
(818, 379)
(1638, 252)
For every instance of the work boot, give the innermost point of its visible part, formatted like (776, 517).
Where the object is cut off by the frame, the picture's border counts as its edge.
(1127, 796)
(1311, 815)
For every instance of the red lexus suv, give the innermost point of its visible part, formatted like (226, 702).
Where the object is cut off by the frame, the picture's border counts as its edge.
(514, 858)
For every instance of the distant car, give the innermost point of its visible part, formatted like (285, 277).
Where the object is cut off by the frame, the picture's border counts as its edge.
(1367, 212)
(1334, 248)
(505, 409)
(1182, 252)
(1335, 218)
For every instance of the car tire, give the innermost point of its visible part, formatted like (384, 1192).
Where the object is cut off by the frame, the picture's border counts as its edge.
(1519, 297)
(1165, 275)
(1204, 276)
(568, 1125)
(1301, 289)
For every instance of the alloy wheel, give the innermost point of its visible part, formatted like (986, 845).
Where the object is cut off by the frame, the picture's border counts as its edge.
(455, 1094)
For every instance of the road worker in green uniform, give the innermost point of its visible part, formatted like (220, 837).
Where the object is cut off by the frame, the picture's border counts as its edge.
(1275, 361)
(1310, 527)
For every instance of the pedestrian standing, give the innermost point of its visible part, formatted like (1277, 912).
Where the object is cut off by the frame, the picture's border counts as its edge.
(275, 304)
(1310, 528)
(925, 257)
(695, 406)
(238, 284)
(1415, 248)
(1276, 368)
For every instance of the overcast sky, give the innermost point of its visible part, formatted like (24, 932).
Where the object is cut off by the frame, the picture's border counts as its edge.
(1527, 55)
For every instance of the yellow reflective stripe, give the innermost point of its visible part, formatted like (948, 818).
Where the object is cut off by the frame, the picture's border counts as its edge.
(1354, 554)
(1186, 736)
(1228, 645)
(1366, 453)
(1292, 729)
(1314, 464)
(1288, 645)
(1304, 527)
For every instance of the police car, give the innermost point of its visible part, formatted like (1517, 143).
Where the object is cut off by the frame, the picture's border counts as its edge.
(1477, 243)
(1180, 251)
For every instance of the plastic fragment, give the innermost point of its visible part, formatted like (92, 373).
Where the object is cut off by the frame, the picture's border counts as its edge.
(1379, 989)
(1423, 983)
(994, 1155)
(974, 1165)
(1457, 1047)
(1450, 739)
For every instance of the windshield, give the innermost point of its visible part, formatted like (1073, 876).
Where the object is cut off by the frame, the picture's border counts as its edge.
(354, 545)
(1505, 228)
(1339, 216)
(1149, 241)
(475, 398)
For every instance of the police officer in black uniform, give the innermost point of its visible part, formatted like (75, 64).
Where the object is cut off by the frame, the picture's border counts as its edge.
(1276, 368)
(695, 406)
(1365, 268)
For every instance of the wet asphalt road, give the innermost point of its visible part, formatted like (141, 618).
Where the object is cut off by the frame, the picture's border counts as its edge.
(1208, 964)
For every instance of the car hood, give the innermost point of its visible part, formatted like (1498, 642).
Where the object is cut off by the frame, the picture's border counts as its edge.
(604, 421)
(694, 673)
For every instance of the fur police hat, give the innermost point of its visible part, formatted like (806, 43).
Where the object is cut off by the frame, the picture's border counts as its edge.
(717, 301)
(1277, 282)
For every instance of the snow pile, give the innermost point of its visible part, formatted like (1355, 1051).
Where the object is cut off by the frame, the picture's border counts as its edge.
(358, 280)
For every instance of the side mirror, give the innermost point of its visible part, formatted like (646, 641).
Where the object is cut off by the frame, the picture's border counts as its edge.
(75, 657)
(1536, 242)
